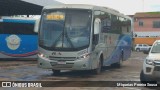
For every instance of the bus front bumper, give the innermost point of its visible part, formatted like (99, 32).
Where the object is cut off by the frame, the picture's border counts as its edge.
(82, 64)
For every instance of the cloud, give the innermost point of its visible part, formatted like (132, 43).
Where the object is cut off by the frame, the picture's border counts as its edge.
(155, 8)
(128, 7)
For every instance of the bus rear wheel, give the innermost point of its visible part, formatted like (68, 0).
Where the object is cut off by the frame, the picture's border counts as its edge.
(56, 72)
(119, 64)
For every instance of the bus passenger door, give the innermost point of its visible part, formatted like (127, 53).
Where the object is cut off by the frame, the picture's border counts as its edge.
(95, 41)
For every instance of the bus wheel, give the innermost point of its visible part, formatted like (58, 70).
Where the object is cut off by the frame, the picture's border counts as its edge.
(56, 72)
(99, 68)
(119, 63)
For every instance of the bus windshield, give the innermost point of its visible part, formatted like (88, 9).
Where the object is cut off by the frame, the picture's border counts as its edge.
(65, 29)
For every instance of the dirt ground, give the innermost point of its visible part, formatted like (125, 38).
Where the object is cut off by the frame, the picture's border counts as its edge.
(28, 71)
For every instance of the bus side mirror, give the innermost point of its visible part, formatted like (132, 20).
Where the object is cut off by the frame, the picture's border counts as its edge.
(97, 28)
(97, 25)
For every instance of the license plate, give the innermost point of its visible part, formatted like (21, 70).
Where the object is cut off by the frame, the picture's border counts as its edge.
(61, 62)
(53, 63)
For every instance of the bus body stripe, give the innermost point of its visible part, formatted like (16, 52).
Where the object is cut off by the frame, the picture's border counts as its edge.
(19, 21)
(21, 55)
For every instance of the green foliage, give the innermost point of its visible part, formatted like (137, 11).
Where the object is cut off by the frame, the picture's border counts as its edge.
(153, 12)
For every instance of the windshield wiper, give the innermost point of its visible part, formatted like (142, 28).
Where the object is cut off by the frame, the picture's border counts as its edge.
(63, 35)
(68, 39)
(57, 40)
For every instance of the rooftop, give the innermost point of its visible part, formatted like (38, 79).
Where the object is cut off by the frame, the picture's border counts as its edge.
(147, 15)
(24, 7)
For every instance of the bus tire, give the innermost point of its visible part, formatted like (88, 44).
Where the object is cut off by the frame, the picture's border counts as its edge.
(56, 72)
(119, 64)
(99, 68)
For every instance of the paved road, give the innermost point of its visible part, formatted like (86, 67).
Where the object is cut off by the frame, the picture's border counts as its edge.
(28, 71)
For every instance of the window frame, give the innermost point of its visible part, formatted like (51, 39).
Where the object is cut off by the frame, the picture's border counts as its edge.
(156, 24)
(141, 23)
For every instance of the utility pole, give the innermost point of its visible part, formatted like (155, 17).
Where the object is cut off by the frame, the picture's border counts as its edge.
(143, 5)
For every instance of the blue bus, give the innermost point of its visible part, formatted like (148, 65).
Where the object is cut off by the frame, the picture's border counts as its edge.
(18, 39)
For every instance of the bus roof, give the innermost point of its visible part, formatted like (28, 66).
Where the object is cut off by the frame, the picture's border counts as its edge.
(18, 20)
(85, 6)
(21, 18)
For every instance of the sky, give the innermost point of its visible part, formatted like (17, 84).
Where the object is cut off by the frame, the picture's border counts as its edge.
(127, 7)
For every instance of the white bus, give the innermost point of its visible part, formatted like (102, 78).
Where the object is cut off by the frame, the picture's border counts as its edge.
(83, 37)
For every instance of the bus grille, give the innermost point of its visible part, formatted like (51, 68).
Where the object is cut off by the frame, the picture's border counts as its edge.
(62, 58)
(63, 66)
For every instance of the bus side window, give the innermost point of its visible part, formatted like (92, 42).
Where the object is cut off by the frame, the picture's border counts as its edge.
(106, 22)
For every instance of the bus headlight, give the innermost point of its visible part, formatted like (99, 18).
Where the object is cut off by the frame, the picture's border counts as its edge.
(84, 56)
(149, 61)
(43, 55)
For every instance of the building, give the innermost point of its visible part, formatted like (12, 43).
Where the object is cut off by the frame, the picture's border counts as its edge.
(147, 24)
(146, 27)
